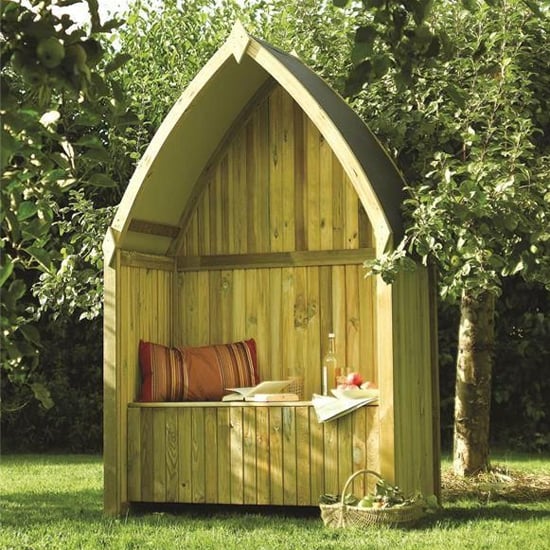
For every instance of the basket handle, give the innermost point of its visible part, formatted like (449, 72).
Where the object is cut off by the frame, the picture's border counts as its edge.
(352, 477)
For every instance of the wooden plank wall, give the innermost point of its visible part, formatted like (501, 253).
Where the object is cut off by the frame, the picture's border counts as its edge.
(268, 454)
(276, 186)
(146, 304)
(289, 312)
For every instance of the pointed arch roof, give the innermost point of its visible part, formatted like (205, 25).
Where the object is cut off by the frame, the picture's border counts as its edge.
(163, 182)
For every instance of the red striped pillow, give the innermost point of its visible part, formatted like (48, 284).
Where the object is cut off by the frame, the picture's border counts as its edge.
(195, 373)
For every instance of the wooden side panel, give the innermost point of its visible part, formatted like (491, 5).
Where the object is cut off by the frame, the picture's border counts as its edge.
(134, 455)
(289, 311)
(412, 380)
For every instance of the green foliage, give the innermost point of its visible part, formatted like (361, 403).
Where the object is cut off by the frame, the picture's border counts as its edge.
(520, 411)
(77, 284)
(53, 501)
(470, 133)
(56, 108)
(71, 368)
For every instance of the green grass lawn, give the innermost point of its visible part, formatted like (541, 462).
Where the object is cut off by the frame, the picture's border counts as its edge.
(56, 502)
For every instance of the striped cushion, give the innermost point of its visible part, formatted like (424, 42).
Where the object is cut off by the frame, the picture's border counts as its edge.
(195, 373)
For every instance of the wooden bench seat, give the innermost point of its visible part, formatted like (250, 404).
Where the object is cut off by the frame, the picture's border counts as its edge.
(245, 453)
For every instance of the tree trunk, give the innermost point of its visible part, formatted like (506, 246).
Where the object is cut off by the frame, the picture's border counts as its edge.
(473, 383)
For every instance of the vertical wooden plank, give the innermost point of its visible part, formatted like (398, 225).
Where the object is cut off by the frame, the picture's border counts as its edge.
(215, 211)
(276, 455)
(237, 455)
(250, 482)
(204, 219)
(134, 454)
(189, 310)
(198, 473)
(184, 455)
(276, 218)
(373, 443)
(310, 369)
(288, 327)
(191, 241)
(113, 436)
(345, 440)
(326, 322)
(289, 456)
(241, 203)
(351, 215)
(223, 451)
(317, 457)
(276, 332)
(353, 321)
(266, 318)
(211, 454)
(339, 314)
(147, 450)
(300, 190)
(172, 457)
(330, 447)
(287, 187)
(159, 455)
(238, 321)
(366, 237)
(313, 186)
(251, 306)
(203, 319)
(338, 208)
(215, 285)
(227, 233)
(359, 448)
(367, 325)
(258, 155)
(225, 306)
(262, 456)
(303, 458)
(298, 341)
(326, 188)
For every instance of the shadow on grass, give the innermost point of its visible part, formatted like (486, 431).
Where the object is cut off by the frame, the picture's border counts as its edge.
(450, 516)
(46, 507)
(455, 515)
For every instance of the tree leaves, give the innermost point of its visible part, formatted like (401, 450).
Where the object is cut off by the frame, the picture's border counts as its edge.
(53, 93)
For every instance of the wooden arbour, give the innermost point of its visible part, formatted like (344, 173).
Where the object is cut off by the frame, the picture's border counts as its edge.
(250, 215)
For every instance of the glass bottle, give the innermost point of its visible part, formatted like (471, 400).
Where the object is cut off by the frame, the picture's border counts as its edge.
(331, 372)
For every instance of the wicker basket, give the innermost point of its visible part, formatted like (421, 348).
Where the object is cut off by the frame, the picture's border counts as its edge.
(344, 515)
(296, 386)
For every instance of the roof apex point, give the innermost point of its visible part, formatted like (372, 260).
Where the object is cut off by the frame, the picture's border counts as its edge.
(238, 40)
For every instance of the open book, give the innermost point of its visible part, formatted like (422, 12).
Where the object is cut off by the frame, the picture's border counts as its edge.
(330, 408)
(269, 387)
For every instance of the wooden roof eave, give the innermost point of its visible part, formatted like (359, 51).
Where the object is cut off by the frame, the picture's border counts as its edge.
(235, 46)
(325, 109)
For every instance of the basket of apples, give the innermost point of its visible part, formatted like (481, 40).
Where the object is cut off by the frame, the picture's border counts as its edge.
(387, 506)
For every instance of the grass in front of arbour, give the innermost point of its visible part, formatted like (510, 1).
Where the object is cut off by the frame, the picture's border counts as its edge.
(55, 501)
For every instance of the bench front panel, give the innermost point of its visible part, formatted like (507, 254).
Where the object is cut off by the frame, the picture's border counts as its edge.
(246, 454)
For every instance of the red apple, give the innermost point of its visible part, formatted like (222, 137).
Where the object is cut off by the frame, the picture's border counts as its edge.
(347, 387)
(354, 378)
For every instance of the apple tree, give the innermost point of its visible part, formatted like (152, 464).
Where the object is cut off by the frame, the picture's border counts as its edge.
(57, 102)
(460, 92)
